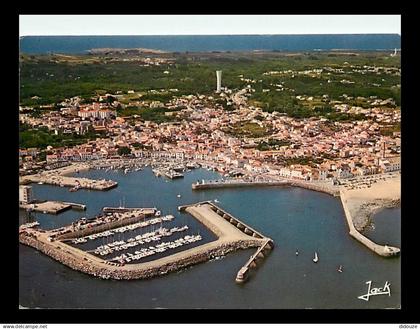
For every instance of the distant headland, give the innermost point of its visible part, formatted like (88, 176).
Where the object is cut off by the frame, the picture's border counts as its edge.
(203, 43)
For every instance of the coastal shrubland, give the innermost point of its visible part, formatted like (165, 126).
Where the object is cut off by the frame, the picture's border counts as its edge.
(53, 79)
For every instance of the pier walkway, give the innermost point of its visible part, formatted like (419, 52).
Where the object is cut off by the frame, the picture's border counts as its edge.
(254, 260)
(315, 186)
(145, 211)
(234, 183)
(51, 207)
(232, 227)
(385, 251)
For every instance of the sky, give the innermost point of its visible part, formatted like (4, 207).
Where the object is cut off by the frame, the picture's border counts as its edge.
(206, 24)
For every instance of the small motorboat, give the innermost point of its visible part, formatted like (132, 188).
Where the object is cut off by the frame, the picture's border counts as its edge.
(216, 201)
(340, 269)
(297, 253)
(315, 258)
(178, 196)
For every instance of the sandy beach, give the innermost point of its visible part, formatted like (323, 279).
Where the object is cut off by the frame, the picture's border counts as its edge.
(364, 201)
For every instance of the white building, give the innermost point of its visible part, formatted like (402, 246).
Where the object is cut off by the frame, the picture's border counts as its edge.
(83, 127)
(25, 194)
(344, 172)
(219, 81)
(106, 114)
(391, 164)
(88, 113)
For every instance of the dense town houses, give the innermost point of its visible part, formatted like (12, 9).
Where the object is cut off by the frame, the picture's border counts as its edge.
(203, 131)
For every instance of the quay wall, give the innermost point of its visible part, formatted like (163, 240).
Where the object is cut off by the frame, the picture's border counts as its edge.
(72, 169)
(303, 184)
(237, 184)
(76, 206)
(49, 210)
(100, 228)
(61, 180)
(130, 272)
(379, 249)
(315, 187)
(146, 211)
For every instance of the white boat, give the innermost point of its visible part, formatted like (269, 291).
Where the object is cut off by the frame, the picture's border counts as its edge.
(340, 269)
(216, 201)
(315, 258)
(178, 196)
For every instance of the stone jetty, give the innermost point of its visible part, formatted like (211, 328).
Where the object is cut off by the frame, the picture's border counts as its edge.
(231, 234)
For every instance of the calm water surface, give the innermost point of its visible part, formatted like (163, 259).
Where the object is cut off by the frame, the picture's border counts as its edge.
(294, 218)
(81, 44)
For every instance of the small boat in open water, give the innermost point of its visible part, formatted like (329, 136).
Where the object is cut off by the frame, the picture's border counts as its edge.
(315, 258)
(340, 269)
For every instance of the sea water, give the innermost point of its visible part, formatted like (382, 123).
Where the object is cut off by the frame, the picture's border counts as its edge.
(295, 218)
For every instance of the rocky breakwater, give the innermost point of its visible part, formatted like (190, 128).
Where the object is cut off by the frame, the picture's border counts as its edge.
(358, 211)
(365, 211)
(96, 267)
(232, 234)
(63, 256)
(202, 254)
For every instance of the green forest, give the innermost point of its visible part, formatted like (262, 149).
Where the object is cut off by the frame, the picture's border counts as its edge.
(53, 81)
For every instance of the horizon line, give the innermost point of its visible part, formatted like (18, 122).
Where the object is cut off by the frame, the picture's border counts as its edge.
(233, 34)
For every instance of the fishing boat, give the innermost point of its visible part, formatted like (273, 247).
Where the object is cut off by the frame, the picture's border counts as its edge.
(340, 269)
(315, 258)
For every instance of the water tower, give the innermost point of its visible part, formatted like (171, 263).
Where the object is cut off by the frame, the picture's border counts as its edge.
(219, 81)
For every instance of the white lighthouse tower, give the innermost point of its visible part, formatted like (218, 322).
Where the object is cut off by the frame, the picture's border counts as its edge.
(219, 81)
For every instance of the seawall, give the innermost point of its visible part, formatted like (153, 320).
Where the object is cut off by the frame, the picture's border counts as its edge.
(287, 182)
(134, 271)
(385, 251)
(315, 187)
(101, 228)
(232, 235)
(203, 186)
